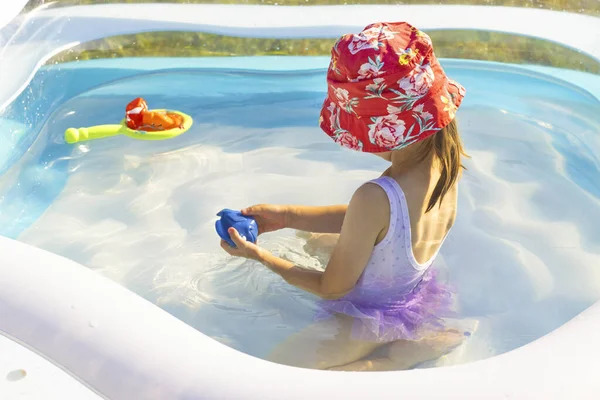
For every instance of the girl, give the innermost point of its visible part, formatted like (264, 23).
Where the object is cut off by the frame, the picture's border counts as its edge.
(382, 307)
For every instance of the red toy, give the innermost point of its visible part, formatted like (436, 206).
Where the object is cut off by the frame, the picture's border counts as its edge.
(139, 118)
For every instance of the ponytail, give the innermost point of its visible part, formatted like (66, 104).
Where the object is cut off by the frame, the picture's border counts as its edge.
(447, 147)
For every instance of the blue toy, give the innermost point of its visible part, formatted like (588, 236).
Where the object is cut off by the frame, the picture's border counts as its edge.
(246, 226)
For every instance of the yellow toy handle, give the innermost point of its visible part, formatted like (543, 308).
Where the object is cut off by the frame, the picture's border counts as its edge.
(74, 135)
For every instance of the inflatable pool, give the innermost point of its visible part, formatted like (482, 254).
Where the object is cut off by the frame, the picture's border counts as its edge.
(76, 323)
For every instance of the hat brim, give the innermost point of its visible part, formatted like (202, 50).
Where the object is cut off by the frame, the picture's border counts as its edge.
(376, 134)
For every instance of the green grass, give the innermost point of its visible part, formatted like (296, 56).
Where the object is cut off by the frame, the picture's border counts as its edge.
(471, 45)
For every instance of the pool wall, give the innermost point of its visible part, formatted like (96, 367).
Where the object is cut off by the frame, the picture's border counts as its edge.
(124, 347)
(35, 37)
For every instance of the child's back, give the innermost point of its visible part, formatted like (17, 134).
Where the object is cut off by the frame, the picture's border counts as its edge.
(428, 230)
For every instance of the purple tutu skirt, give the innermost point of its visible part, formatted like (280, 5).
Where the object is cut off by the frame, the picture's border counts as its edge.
(412, 316)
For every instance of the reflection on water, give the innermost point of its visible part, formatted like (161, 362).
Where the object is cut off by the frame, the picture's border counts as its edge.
(523, 253)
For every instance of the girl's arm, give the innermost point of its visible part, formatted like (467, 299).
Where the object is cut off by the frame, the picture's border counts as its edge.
(319, 219)
(272, 217)
(366, 218)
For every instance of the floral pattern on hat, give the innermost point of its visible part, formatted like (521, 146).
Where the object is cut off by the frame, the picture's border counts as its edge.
(344, 101)
(389, 87)
(387, 131)
(370, 70)
(370, 38)
(342, 136)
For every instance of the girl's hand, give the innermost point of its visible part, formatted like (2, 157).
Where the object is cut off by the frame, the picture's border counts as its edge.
(269, 217)
(243, 248)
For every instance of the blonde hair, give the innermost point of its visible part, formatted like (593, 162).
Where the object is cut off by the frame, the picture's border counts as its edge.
(447, 147)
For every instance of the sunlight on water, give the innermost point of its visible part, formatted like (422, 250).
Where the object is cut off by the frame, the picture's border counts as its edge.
(523, 255)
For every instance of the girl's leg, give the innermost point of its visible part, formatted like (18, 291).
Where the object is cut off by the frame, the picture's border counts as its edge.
(406, 354)
(322, 345)
(319, 245)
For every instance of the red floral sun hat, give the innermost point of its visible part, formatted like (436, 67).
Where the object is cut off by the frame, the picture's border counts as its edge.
(386, 89)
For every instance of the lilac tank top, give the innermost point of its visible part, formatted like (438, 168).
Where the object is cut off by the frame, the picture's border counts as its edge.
(395, 297)
(392, 271)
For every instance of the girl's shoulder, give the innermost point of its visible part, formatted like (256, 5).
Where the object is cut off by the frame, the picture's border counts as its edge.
(373, 193)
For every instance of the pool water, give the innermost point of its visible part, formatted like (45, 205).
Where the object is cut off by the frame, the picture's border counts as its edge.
(523, 255)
